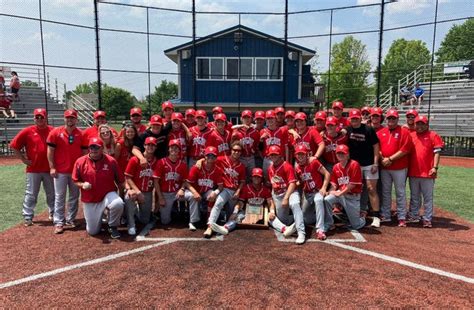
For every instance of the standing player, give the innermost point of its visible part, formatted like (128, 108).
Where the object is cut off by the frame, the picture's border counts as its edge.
(220, 137)
(98, 176)
(423, 170)
(332, 138)
(190, 115)
(158, 131)
(136, 119)
(411, 115)
(178, 133)
(33, 140)
(320, 121)
(365, 112)
(249, 140)
(285, 196)
(168, 109)
(308, 136)
(124, 147)
(280, 116)
(259, 117)
(338, 108)
(376, 118)
(65, 146)
(290, 119)
(218, 110)
(200, 138)
(273, 135)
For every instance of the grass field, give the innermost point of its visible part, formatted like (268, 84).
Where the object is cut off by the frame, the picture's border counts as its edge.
(451, 193)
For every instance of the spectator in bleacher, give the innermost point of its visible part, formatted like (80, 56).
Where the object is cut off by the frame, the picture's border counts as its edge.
(105, 134)
(6, 105)
(406, 94)
(32, 140)
(15, 86)
(411, 115)
(93, 131)
(417, 97)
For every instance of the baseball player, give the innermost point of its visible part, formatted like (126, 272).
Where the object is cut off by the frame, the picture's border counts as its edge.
(285, 196)
(423, 170)
(220, 138)
(136, 120)
(314, 179)
(411, 115)
(308, 136)
(139, 186)
(254, 194)
(346, 186)
(200, 140)
(203, 185)
(158, 131)
(218, 110)
(169, 176)
(376, 118)
(33, 140)
(338, 108)
(273, 135)
(189, 118)
(290, 119)
(320, 121)
(168, 109)
(332, 138)
(93, 131)
(365, 112)
(179, 133)
(395, 145)
(259, 118)
(98, 176)
(280, 116)
(65, 146)
(249, 140)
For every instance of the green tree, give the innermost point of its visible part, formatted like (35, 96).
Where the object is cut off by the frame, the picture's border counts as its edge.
(88, 88)
(403, 57)
(349, 72)
(458, 44)
(29, 83)
(117, 102)
(167, 90)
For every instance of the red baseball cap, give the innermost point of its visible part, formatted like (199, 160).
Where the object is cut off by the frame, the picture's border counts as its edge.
(274, 150)
(290, 113)
(355, 113)
(220, 117)
(245, 113)
(40, 111)
(99, 113)
(177, 116)
(279, 110)
(70, 113)
(365, 109)
(301, 148)
(257, 172)
(156, 120)
(96, 141)
(174, 142)
(151, 140)
(300, 116)
(376, 111)
(210, 150)
(342, 148)
(320, 115)
(270, 114)
(167, 105)
(201, 113)
(412, 112)
(259, 115)
(392, 113)
(218, 109)
(237, 135)
(331, 120)
(134, 111)
(190, 112)
(421, 118)
(338, 105)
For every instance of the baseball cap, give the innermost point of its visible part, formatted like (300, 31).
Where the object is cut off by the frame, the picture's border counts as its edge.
(134, 111)
(290, 113)
(167, 105)
(96, 141)
(99, 113)
(376, 111)
(301, 148)
(246, 113)
(190, 112)
(210, 150)
(40, 111)
(279, 110)
(321, 115)
(274, 150)
(259, 115)
(270, 114)
(342, 148)
(392, 113)
(217, 110)
(201, 113)
(365, 109)
(156, 120)
(177, 116)
(412, 112)
(70, 113)
(151, 140)
(300, 116)
(220, 117)
(257, 172)
(338, 105)
(355, 113)
(237, 135)
(421, 118)
(174, 142)
(331, 120)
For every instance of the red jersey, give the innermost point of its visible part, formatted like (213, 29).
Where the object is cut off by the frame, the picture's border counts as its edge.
(221, 142)
(233, 172)
(342, 122)
(199, 141)
(409, 129)
(33, 139)
(67, 148)
(212, 125)
(278, 137)
(171, 174)
(125, 154)
(255, 197)
(203, 180)
(350, 174)
(281, 176)
(102, 175)
(311, 139)
(142, 177)
(179, 135)
(422, 155)
(93, 132)
(250, 141)
(310, 176)
(377, 129)
(391, 141)
(329, 154)
(188, 124)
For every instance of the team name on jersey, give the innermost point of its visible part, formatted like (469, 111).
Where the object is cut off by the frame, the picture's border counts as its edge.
(258, 201)
(306, 144)
(246, 141)
(172, 176)
(223, 147)
(278, 181)
(330, 147)
(206, 183)
(343, 180)
(231, 172)
(146, 173)
(273, 141)
(306, 176)
(199, 141)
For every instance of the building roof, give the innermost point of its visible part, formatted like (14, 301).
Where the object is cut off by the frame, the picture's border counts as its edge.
(172, 53)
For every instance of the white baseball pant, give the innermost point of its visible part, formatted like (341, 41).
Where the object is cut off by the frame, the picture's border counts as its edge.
(33, 183)
(61, 184)
(351, 204)
(93, 212)
(143, 211)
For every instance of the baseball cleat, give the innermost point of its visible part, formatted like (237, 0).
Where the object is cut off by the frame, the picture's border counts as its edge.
(28, 223)
(412, 219)
(50, 217)
(219, 229)
(71, 224)
(114, 233)
(301, 239)
(375, 222)
(58, 229)
(427, 224)
(192, 227)
(132, 231)
(208, 233)
(289, 230)
(402, 223)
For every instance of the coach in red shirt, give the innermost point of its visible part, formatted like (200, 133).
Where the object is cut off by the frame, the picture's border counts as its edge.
(33, 140)
(98, 176)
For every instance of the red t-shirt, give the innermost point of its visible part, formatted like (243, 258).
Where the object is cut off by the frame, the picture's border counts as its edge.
(253, 196)
(102, 175)
(65, 153)
(311, 139)
(422, 155)
(142, 177)
(233, 172)
(199, 142)
(221, 142)
(33, 139)
(171, 174)
(350, 174)
(212, 125)
(342, 122)
(329, 154)
(203, 180)
(250, 141)
(281, 176)
(391, 141)
(278, 137)
(125, 154)
(310, 176)
(179, 135)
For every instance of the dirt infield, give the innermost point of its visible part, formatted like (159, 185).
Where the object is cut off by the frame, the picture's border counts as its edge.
(386, 267)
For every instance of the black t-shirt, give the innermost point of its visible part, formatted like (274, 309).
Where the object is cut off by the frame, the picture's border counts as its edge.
(162, 145)
(361, 144)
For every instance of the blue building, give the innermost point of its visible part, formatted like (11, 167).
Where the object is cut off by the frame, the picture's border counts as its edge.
(241, 68)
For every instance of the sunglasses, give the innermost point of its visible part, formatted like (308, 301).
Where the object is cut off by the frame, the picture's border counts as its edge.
(236, 150)
(391, 118)
(411, 117)
(211, 156)
(71, 139)
(136, 115)
(94, 147)
(105, 133)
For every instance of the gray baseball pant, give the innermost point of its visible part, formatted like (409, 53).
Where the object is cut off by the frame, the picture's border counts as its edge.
(93, 212)
(61, 184)
(315, 210)
(33, 183)
(194, 212)
(351, 204)
(266, 164)
(398, 178)
(249, 163)
(143, 211)
(232, 224)
(283, 214)
(165, 211)
(224, 197)
(421, 187)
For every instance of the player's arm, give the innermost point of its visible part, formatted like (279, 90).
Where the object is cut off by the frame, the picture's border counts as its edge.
(434, 170)
(161, 198)
(326, 180)
(189, 134)
(239, 189)
(191, 188)
(286, 199)
(376, 158)
(271, 207)
(133, 188)
(320, 150)
(22, 156)
(118, 149)
(136, 151)
(50, 155)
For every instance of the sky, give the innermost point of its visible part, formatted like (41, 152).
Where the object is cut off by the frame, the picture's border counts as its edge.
(75, 46)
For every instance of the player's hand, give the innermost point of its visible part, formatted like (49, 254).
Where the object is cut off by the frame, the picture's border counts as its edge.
(161, 201)
(180, 195)
(374, 169)
(199, 163)
(143, 162)
(236, 195)
(212, 197)
(432, 172)
(271, 216)
(264, 136)
(196, 196)
(285, 203)
(53, 172)
(337, 193)
(140, 197)
(323, 192)
(386, 162)
(86, 186)
(26, 161)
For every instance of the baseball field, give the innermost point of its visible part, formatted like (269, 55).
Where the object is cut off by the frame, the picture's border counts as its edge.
(173, 267)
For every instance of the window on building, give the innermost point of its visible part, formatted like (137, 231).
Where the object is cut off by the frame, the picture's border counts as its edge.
(217, 68)
(232, 68)
(246, 68)
(261, 69)
(203, 68)
(274, 69)
(213, 68)
(210, 68)
(268, 69)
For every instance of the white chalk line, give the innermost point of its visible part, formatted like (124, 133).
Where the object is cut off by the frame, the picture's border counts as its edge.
(357, 238)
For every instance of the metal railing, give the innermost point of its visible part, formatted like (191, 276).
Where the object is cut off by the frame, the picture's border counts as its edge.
(386, 101)
(82, 107)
